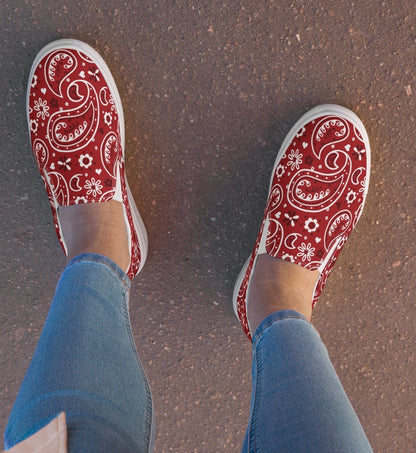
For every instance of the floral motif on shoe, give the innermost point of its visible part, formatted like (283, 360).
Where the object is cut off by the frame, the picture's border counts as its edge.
(316, 196)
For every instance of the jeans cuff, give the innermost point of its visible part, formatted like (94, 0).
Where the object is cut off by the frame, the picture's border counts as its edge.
(95, 257)
(275, 317)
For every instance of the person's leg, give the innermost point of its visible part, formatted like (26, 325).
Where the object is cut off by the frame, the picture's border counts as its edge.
(86, 362)
(298, 403)
(86, 365)
(317, 192)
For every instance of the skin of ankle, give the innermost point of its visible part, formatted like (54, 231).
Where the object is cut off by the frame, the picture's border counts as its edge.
(279, 285)
(96, 228)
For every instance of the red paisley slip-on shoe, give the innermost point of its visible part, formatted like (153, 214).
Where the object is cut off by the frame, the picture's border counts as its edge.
(317, 191)
(76, 127)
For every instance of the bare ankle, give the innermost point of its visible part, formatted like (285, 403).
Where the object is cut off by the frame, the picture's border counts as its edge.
(279, 285)
(96, 228)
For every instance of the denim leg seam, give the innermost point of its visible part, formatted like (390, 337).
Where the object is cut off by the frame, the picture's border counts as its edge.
(252, 441)
(149, 403)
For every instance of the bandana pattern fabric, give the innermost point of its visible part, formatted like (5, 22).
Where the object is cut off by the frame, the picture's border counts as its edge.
(75, 132)
(316, 197)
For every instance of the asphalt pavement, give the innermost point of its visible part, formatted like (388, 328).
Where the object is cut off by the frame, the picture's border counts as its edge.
(210, 89)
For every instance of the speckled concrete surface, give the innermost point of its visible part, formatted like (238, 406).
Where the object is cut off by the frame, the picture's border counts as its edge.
(210, 88)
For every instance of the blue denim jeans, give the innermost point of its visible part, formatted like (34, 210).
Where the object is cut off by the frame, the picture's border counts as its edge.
(86, 365)
(298, 403)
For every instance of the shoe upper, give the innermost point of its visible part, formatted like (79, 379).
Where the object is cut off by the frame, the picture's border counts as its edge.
(76, 128)
(317, 192)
